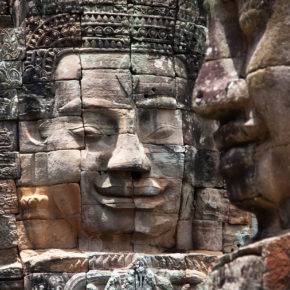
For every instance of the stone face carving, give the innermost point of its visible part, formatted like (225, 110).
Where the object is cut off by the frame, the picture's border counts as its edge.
(247, 91)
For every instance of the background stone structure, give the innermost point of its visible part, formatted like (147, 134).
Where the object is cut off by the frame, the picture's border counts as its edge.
(70, 70)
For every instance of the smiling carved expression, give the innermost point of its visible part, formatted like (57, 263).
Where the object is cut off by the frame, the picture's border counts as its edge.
(243, 84)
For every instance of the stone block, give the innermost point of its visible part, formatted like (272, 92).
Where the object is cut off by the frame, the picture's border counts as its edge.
(154, 91)
(99, 219)
(10, 266)
(50, 168)
(106, 243)
(9, 165)
(159, 126)
(183, 93)
(211, 204)
(198, 131)
(8, 234)
(12, 44)
(166, 161)
(207, 235)
(109, 122)
(235, 236)
(68, 68)
(36, 101)
(60, 133)
(4, 7)
(201, 167)
(187, 200)
(8, 197)
(238, 216)
(184, 235)
(45, 234)
(62, 201)
(8, 136)
(67, 101)
(8, 105)
(54, 260)
(152, 64)
(10, 74)
(90, 60)
(106, 88)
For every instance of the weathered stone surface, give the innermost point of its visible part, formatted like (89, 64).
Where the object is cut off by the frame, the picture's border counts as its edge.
(183, 93)
(12, 44)
(68, 68)
(10, 75)
(211, 204)
(187, 200)
(159, 126)
(8, 197)
(67, 98)
(8, 136)
(277, 263)
(242, 273)
(152, 65)
(10, 266)
(207, 235)
(238, 216)
(235, 236)
(62, 30)
(54, 260)
(7, 285)
(50, 168)
(108, 261)
(62, 201)
(9, 165)
(201, 167)
(51, 134)
(46, 280)
(36, 101)
(105, 61)
(45, 234)
(166, 161)
(225, 37)
(106, 88)
(154, 91)
(198, 131)
(6, 21)
(8, 105)
(8, 234)
(184, 235)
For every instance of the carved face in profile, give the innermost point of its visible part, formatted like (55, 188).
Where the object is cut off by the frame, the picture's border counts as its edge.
(244, 84)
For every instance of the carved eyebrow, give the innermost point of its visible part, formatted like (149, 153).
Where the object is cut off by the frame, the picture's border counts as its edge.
(163, 131)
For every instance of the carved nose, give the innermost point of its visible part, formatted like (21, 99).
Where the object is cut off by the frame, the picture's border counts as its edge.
(129, 155)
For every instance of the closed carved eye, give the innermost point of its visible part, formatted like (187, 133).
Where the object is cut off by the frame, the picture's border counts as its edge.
(91, 132)
(78, 132)
(162, 132)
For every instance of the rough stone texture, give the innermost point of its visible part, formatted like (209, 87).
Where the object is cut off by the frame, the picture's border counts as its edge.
(8, 234)
(9, 105)
(8, 136)
(61, 133)
(68, 68)
(211, 204)
(45, 234)
(10, 265)
(9, 165)
(207, 235)
(12, 44)
(8, 197)
(54, 260)
(50, 168)
(10, 75)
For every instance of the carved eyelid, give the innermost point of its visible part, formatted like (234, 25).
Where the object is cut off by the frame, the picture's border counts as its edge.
(162, 132)
(79, 131)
